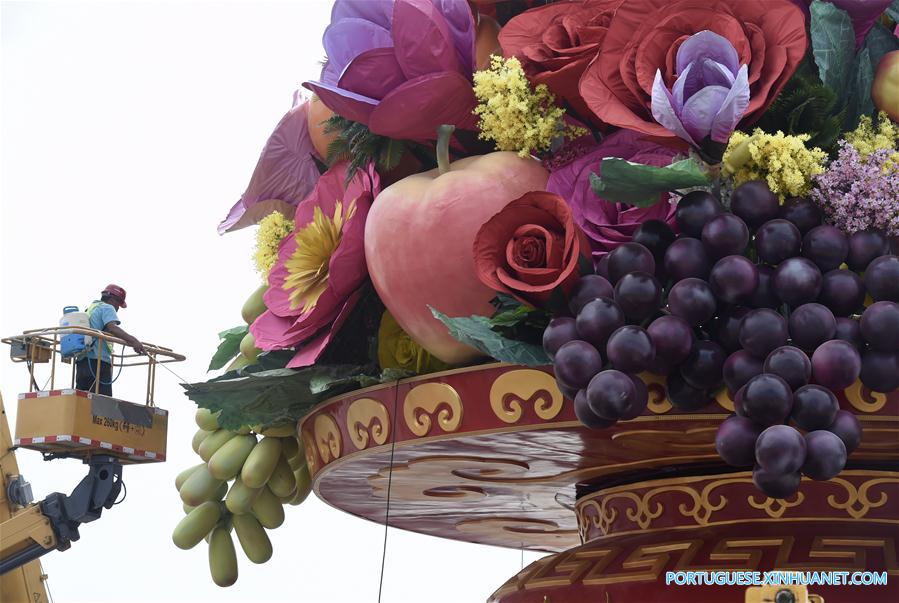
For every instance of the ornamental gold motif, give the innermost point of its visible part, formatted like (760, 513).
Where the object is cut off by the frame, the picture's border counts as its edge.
(601, 510)
(775, 507)
(327, 438)
(425, 400)
(367, 420)
(514, 388)
(863, 399)
(857, 503)
(655, 385)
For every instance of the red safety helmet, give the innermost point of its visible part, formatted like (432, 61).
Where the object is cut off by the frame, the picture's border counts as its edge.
(116, 291)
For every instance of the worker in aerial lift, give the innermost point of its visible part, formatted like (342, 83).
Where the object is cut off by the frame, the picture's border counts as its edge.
(103, 316)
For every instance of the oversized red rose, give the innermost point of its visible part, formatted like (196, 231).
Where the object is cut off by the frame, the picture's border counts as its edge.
(556, 42)
(531, 247)
(644, 36)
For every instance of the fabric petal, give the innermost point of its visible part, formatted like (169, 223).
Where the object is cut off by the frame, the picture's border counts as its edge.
(242, 216)
(415, 109)
(707, 44)
(422, 39)
(700, 111)
(663, 110)
(311, 349)
(345, 39)
(285, 173)
(460, 21)
(716, 74)
(350, 105)
(733, 108)
(373, 73)
(379, 12)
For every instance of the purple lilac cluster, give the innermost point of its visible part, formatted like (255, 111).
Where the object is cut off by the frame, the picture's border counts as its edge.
(860, 193)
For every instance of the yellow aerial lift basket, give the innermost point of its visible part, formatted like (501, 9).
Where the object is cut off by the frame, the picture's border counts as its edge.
(74, 423)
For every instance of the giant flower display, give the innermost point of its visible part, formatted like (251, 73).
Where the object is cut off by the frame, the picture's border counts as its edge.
(644, 36)
(393, 65)
(284, 174)
(556, 42)
(608, 224)
(320, 269)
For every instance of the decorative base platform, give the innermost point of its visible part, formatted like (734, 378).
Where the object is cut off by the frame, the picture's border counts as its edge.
(636, 534)
(494, 454)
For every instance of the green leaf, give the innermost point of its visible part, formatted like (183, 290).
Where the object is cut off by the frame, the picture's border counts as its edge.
(391, 154)
(833, 44)
(274, 396)
(476, 331)
(893, 11)
(860, 102)
(640, 185)
(880, 41)
(228, 348)
(510, 318)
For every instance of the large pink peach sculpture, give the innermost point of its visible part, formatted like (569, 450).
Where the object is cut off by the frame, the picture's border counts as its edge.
(419, 238)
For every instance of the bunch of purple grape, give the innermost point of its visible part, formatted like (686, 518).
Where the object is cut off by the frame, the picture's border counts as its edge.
(755, 300)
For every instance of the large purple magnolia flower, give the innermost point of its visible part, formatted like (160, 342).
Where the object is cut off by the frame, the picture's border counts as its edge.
(710, 94)
(393, 65)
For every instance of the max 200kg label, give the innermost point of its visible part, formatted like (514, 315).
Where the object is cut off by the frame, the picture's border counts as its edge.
(120, 426)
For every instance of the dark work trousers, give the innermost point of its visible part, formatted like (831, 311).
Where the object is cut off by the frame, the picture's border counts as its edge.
(85, 371)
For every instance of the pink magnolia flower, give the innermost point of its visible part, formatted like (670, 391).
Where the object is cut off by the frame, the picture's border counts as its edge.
(608, 224)
(321, 267)
(284, 174)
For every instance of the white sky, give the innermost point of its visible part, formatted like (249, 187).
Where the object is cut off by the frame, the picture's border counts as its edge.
(128, 130)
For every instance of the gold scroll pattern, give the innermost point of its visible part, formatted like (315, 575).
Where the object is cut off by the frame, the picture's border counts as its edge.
(520, 387)
(429, 400)
(367, 420)
(658, 400)
(858, 503)
(327, 438)
(309, 451)
(863, 399)
(642, 510)
(600, 514)
(625, 562)
(655, 384)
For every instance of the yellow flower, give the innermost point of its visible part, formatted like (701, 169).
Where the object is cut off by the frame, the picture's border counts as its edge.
(396, 350)
(514, 116)
(867, 137)
(784, 162)
(307, 268)
(272, 230)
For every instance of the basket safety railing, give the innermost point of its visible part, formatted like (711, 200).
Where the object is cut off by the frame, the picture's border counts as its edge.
(42, 346)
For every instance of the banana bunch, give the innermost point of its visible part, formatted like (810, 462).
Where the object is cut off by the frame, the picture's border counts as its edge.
(242, 485)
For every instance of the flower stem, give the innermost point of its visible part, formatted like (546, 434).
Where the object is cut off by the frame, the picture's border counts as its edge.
(444, 133)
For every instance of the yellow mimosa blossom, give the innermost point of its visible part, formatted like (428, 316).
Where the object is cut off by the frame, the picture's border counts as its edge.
(784, 162)
(307, 268)
(514, 116)
(868, 137)
(272, 230)
(396, 350)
